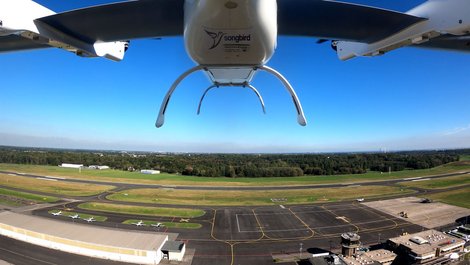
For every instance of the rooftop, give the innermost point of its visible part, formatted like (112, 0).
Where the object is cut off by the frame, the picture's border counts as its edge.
(174, 246)
(327, 260)
(84, 233)
(351, 236)
(379, 256)
(426, 242)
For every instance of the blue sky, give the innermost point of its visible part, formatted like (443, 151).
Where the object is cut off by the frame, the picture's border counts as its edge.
(407, 99)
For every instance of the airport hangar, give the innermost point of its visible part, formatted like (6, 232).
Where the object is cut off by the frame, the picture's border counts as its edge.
(104, 243)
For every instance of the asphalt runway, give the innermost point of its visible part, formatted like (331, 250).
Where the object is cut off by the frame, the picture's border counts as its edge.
(124, 186)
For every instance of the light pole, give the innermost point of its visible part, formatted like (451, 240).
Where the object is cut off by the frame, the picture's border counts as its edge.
(379, 238)
(300, 251)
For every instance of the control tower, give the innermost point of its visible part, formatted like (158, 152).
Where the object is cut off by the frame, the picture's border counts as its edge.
(349, 242)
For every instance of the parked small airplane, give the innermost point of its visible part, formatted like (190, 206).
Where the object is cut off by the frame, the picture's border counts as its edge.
(182, 220)
(57, 213)
(139, 223)
(158, 225)
(89, 220)
(75, 216)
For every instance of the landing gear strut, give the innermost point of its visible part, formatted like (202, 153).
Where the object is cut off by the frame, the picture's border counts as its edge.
(217, 83)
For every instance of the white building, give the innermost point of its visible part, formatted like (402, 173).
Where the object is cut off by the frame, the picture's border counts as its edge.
(98, 167)
(173, 250)
(86, 240)
(66, 165)
(149, 171)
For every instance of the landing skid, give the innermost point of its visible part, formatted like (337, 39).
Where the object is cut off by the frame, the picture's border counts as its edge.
(237, 85)
(300, 114)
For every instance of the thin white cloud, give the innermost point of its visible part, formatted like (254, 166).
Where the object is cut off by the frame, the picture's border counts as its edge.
(457, 130)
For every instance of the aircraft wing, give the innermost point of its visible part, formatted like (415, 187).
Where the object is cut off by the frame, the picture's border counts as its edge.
(340, 21)
(156, 18)
(121, 21)
(448, 42)
(15, 43)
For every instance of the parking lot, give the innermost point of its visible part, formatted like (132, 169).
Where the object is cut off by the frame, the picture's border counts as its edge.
(429, 215)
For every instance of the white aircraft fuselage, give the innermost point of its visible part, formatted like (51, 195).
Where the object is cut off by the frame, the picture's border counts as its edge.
(230, 33)
(230, 37)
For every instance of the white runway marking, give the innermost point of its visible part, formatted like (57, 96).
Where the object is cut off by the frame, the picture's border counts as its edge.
(47, 179)
(52, 177)
(238, 223)
(412, 178)
(353, 186)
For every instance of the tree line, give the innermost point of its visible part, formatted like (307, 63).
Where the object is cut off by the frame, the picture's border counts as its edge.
(237, 165)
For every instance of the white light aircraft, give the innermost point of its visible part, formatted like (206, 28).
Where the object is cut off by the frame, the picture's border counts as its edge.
(57, 213)
(89, 220)
(158, 225)
(232, 40)
(139, 223)
(75, 216)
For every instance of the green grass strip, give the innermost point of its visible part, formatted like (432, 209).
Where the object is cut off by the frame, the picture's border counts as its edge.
(28, 196)
(440, 183)
(140, 210)
(7, 202)
(460, 197)
(182, 225)
(257, 197)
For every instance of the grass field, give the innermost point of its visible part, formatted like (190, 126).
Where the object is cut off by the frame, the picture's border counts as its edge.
(460, 197)
(447, 182)
(82, 215)
(172, 179)
(9, 202)
(246, 198)
(139, 210)
(54, 187)
(27, 196)
(465, 158)
(183, 225)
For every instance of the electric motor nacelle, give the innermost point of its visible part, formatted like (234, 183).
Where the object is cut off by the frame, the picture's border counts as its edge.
(18, 18)
(442, 17)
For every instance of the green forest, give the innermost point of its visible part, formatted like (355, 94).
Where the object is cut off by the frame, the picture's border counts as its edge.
(237, 165)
